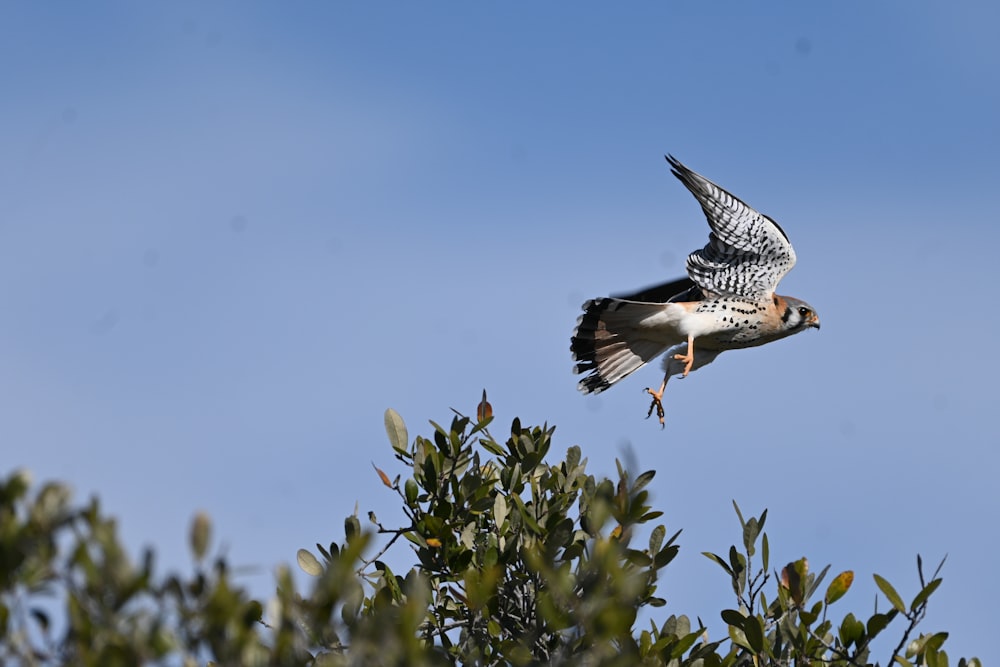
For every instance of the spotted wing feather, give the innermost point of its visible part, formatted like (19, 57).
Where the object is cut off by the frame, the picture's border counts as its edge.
(747, 253)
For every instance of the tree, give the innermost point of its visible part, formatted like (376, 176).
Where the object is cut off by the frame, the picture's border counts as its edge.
(519, 561)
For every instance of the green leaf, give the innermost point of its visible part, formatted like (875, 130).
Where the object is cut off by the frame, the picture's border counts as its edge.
(492, 446)
(808, 617)
(750, 532)
(395, 428)
(481, 505)
(678, 626)
(411, 490)
(642, 480)
(665, 555)
(572, 458)
(816, 581)
(922, 596)
(851, 630)
(936, 641)
(636, 557)
(839, 586)
(739, 637)
(743, 524)
(455, 439)
(499, 510)
(753, 627)
(936, 658)
(878, 622)
(354, 596)
(645, 642)
(686, 642)
(733, 617)
(656, 539)
(718, 559)
(737, 561)
(430, 471)
(526, 445)
(891, 594)
(201, 533)
(308, 563)
(561, 535)
(352, 527)
(390, 581)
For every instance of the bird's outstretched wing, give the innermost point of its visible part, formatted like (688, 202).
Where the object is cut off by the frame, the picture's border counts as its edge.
(747, 252)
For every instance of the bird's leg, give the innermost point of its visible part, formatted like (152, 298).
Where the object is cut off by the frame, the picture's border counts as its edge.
(657, 401)
(688, 358)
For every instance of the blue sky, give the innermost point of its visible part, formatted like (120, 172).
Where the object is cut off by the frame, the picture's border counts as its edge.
(232, 234)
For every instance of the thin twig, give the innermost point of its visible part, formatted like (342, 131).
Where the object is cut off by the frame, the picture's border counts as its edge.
(914, 617)
(360, 571)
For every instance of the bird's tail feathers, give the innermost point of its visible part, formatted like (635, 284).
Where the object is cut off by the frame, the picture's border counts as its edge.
(602, 346)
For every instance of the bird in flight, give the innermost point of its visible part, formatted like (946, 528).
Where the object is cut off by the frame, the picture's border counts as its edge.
(727, 302)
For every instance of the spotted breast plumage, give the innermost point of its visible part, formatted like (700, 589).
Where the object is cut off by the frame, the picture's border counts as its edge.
(727, 301)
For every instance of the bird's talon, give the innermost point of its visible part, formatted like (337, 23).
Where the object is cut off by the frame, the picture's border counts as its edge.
(658, 405)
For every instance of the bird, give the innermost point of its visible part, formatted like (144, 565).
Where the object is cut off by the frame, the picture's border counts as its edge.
(726, 302)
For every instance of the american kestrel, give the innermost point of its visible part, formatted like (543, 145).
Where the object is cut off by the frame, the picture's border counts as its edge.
(726, 303)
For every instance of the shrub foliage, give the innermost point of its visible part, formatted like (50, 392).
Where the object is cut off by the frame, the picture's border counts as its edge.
(519, 560)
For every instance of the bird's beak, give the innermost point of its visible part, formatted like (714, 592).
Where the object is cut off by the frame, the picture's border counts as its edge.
(814, 322)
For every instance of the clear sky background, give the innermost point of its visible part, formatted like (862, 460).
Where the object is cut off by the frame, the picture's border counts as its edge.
(232, 234)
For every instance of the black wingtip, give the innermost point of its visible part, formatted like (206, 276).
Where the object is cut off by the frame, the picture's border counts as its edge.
(677, 167)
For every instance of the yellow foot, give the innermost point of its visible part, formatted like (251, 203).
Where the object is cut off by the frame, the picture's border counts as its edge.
(657, 403)
(688, 360)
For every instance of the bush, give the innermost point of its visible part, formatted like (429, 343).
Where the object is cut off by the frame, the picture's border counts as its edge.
(518, 562)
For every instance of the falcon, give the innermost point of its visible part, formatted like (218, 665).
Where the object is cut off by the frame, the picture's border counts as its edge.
(727, 302)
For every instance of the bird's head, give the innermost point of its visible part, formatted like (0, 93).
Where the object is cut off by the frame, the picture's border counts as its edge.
(798, 315)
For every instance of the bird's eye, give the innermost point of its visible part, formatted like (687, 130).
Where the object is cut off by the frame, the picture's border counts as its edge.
(803, 311)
